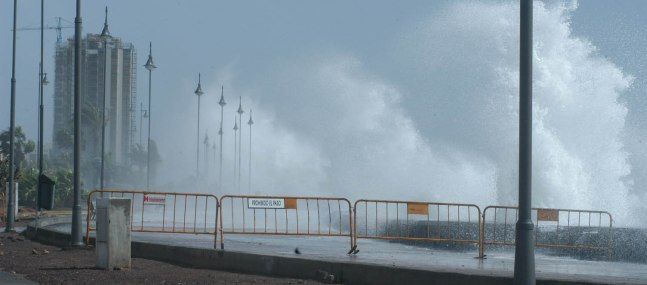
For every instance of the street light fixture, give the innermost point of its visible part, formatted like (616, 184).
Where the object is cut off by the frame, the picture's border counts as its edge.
(150, 66)
(199, 93)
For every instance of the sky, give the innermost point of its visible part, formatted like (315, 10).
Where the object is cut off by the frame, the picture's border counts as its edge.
(413, 100)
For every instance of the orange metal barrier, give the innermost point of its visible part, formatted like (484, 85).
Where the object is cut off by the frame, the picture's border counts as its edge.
(295, 216)
(554, 228)
(422, 221)
(163, 212)
(3, 208)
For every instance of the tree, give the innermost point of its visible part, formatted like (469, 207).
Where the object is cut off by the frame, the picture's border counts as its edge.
(22, 147)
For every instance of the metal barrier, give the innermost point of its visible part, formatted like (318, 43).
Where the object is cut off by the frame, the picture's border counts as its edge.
(292, 216)
(3, 208)
(163, 212)
(417, 221)
(554, 228)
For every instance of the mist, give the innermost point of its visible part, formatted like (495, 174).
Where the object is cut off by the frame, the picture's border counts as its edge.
(444, 128)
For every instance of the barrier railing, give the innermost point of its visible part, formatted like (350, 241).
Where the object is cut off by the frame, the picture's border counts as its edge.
(163, 212)
(292, 216)
(554, 228)
(3, 208)
(417, 221)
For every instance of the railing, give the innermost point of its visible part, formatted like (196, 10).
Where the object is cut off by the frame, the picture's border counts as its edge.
(291, 216)
(417, 221)
(163, 212)
(554, 228)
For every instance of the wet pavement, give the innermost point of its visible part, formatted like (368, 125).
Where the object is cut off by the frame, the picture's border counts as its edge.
(497, 263)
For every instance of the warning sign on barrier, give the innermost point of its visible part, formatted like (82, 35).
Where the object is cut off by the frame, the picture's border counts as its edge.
(271, 203)
(548, 215)
(152, 199)
(417, 209)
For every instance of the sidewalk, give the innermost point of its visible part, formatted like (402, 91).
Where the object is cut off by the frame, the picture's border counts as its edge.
(51, 265)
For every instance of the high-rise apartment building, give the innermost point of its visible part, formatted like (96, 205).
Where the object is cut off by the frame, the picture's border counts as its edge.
(108, 67)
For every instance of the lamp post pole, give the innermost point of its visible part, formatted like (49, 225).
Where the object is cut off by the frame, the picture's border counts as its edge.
(12, 127)
(222, 104)
(240, 137)
(150, 66)
(199, 93)
(42, 81)
(524, 262)
(105, 34)
(250, 123)
(235, 150)
(40, 94)
(77, 239)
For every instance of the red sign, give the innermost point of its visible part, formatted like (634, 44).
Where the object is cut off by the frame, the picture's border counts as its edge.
(151, 199)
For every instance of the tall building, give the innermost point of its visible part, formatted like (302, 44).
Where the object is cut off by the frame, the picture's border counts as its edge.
(108, 67)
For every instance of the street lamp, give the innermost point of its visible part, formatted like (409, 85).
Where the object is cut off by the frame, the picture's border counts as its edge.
(41, 84)
(222, 104)
(206, 155)
(240, 136)
(250, 123)
(12, 127)
(235, 148)
(105, 35)
(524, 257)
(150, 66)
(77, 239)
(198, 91)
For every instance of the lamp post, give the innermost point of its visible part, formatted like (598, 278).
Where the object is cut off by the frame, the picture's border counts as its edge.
(150, 66)
(142, 115)
(77, 239)
(198, 92)
(222, 104)
(206, 155)
(235, 149)
(105, 35)
(12, 127)
(240, 136)
(250, 123)
(41, 84)
(524, 259)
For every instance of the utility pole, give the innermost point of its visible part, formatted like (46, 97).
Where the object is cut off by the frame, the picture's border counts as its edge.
(240, 136)
(222, 104)
(198, 92)
(524, 258)
(105, 35)
(250, 123)
(77, 239)
(12, 129)
(150, 66)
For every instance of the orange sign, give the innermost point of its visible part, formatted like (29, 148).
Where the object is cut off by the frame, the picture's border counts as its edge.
(548, 215)
(290, 203)
(417, 209)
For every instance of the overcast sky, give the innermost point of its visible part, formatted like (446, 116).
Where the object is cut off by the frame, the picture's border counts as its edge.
(397, 85)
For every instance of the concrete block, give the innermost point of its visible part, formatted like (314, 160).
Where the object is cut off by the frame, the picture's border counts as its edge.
(113, 233)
